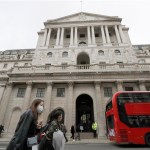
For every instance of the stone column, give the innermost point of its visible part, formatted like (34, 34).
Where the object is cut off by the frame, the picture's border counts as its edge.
(71, 37)
(107, 35)
(48, 37)
(62, 37)
(93, 35)
(5, 101)
(76, 37)
(121, 34)
(120, 85)
(89, 35)
(26, 102)
(47, 101)
(100, 110)
(2, 88)
(103, 35)
(69, 105)
(142, 86)
(117, 34)
(58, 37)
(44, 37)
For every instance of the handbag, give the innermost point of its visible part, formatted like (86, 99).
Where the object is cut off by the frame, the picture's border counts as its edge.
(32, 141)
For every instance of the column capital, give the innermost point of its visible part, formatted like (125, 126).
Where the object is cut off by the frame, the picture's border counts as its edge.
(10, 83)
(70, 83)
(49, 83)
(29, 83)
(120, 81)
(142, 81)
(97, 83)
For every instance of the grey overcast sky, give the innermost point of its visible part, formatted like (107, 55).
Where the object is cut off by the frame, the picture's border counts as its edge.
(21, 20)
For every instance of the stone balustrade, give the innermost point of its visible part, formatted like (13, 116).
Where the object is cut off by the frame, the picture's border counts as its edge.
(82, 68)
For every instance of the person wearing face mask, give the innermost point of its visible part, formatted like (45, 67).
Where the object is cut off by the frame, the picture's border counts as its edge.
(29, 124)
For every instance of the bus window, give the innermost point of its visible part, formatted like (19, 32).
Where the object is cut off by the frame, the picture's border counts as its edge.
(141, 97)
(110, 122)
(144, 121)
(109, 106)
(133, 121)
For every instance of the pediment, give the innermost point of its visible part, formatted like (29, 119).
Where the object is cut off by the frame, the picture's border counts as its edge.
(82, 16)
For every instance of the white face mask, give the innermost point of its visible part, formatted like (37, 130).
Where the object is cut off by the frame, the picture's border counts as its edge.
(40, 109)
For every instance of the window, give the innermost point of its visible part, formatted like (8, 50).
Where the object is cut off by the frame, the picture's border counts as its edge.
(100, 52)
(82, 35)
(109, 105)
(68, 36)
(47, 66)
(26, 64)
(117, 52)
(50, 54)
(40, 92)
(82, 43)
(110, 122)
(65, 54)
(148, 88)
(107, 91)
(128, 88)
(55, 36)
(21, 92)
(96, 35)
(60, 92)
(5, 65)
(64, 65)
(102, 65)
(142, 61)
(121, 65)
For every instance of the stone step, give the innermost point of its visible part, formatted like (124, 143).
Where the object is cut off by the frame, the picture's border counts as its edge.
(86, 135)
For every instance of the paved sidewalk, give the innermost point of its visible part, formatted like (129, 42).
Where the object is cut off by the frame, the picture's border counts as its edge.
(90, 141)
(82, 141)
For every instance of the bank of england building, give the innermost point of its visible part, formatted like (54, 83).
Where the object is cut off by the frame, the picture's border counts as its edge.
(79, 61)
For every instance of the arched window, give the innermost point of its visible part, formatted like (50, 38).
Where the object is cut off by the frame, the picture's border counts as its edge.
(117, 52)
(82, 43)
(141, 61)
(100, 52)
(50, 54)
(65, 54)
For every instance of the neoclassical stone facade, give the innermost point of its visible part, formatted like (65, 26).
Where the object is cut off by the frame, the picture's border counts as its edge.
(80, 60)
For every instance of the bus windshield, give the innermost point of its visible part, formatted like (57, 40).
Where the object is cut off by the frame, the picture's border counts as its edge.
(135, 120)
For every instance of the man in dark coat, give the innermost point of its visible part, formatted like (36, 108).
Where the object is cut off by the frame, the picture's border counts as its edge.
(26, 128)
(1, 129)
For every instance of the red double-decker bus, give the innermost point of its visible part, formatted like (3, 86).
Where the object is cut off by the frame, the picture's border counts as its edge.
(128, 117)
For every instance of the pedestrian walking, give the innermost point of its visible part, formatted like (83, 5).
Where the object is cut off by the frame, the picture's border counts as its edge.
(78, 132)
(94, 128)
(53, 138)
(27, 127)
(1, 129)
(72, 132)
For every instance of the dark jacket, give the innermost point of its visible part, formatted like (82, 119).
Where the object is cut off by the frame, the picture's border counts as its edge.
(53, 127)
(26, 127)
(72, 129)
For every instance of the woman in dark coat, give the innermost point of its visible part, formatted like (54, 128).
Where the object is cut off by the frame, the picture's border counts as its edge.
(27, 126)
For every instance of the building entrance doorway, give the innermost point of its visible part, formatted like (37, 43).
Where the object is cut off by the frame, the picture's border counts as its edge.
(84, 112)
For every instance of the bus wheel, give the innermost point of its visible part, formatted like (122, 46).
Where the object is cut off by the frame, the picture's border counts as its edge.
(147, 139)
